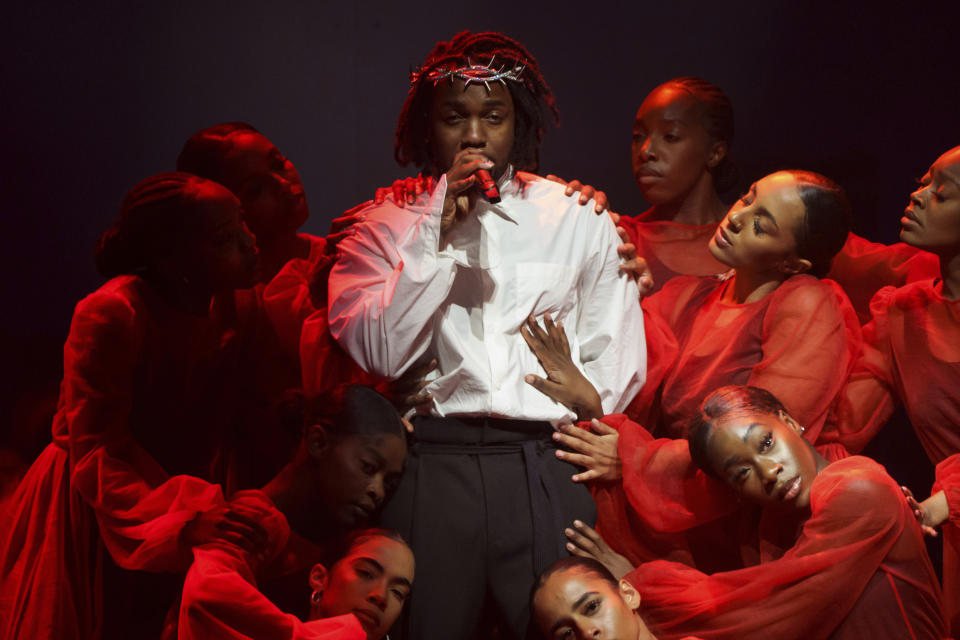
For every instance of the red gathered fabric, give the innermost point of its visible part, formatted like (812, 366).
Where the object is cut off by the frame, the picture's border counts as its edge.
(297, 305)
(799, 342)
(948, 481)
(220, 595)
(857, 569)
(147, 399)
(862, 268)
(672, 249)
(911, 353)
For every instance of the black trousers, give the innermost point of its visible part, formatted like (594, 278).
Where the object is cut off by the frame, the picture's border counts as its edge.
(483, 503)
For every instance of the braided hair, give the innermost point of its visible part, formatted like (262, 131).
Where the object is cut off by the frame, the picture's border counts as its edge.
(203, 152)
(152, 218)
(532, 97)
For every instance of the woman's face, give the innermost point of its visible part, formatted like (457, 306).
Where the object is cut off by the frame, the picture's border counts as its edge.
(218, 252)
(672, 152)
(372, 582)
(764, 458)
(759, 231)
(267, 184)
(356, 474)
(932, 219)
(577, 604)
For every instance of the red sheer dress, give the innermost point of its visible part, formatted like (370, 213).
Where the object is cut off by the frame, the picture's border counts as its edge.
(912, 354)
(266, 435)
(856, 568)
(948, 481)
(146, 401)
(799, 342)
(672, 249)
(862, 268)
(296, 303)
(221, 598)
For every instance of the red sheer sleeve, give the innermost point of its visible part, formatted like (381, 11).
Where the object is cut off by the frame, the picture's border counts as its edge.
(869, 396)
(858, 518)
(948, 481)
(221, 599)
(862, 268)
(140, 510)
(287, 301)
(662, 353)
(810, 339)
(661, 497)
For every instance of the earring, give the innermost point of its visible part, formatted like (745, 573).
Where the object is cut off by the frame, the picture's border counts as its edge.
(316, 596)
(802, 430)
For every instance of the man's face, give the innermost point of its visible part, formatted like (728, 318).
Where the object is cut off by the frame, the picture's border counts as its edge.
(474, 118)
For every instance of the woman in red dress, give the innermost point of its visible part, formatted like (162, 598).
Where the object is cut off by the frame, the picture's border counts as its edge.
(146, 404)
(912, 349)
(835, 551)
(769, 321)
(349, 460)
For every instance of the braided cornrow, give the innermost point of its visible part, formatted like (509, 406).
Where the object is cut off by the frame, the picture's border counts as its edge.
(532, 98)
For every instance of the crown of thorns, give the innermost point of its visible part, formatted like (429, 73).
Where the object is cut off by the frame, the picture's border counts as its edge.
(471, 73)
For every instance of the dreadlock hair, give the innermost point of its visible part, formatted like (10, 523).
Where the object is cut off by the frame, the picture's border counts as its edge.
(153, 217)
(203, 152)
(533, 99)
(716, 118)
(827, 222)
(732, 399)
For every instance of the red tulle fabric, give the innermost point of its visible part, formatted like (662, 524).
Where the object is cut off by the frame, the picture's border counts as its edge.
(862, 268)
(858, 569)
(911, 353)
(296, 303)
(147, 393)
(220, 595)
(948, 481)
(799, 342)
(672, 249)
(664, 507)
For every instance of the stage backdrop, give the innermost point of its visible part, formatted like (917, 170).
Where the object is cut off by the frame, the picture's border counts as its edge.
(98, 95)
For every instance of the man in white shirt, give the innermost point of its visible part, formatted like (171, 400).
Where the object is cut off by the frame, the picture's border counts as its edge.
(453, 277)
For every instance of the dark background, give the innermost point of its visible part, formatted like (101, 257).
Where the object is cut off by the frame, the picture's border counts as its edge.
(97, 95)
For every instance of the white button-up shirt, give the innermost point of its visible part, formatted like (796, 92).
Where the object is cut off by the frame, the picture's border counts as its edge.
(397, 297)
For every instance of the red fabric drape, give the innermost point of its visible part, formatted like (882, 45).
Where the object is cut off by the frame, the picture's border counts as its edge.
(857, 570)
(799, 342)
(911, 353)
(147, 392)
(220, 596)
(672, 249)
(862, 268)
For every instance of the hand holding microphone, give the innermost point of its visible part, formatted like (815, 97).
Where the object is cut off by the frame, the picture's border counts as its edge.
(488, 186)
(469, 167)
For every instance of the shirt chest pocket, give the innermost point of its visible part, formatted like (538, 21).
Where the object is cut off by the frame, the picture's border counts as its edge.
(544, 287)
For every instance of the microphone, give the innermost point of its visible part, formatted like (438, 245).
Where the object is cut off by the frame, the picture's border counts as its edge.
(488, 186)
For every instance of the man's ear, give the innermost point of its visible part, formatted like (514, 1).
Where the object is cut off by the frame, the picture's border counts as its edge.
(794, 265)
(318, 441)
(319, 578)
(718, 151)
(630, 595)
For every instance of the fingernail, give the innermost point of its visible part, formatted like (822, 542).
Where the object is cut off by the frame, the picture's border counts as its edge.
(556, 436)
(570, 547)
(577, 523)
(528, 379)
(569, 532)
